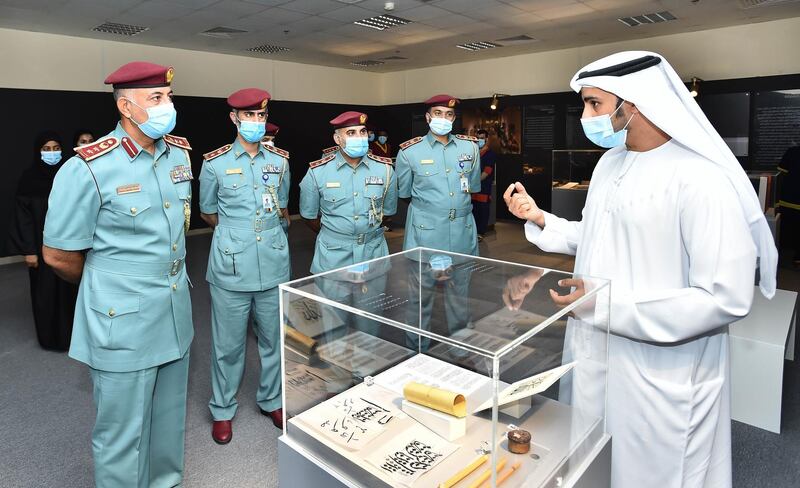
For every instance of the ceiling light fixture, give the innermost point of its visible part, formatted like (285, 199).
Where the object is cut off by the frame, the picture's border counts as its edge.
(496, 100)
(694, 88)
(478, 45)
(367, 63)
(382, 22)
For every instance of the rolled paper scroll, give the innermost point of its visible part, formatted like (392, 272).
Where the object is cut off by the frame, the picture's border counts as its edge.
(444, 401)
(300, 341)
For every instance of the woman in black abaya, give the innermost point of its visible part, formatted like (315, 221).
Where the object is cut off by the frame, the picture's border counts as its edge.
(53, 299)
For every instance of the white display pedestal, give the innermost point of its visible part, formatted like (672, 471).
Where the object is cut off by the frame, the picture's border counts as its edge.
(299, 468)
(759, 344)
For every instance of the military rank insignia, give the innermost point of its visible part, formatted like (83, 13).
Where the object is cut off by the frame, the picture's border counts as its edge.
(181, 173)
(373, 180)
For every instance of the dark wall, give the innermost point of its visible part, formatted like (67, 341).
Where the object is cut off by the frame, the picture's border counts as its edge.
(305, 130)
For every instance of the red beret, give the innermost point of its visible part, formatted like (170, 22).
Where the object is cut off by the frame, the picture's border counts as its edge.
(349, 119)
(249, 99)
(272, 129)
(140, 74)
(442, 101)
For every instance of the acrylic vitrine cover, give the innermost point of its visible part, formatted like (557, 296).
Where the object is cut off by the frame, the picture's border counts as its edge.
(427, 368)
(572, 169)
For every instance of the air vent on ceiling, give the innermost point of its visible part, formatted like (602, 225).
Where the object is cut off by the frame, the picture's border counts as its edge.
(349, 2)
(761, 3)
(367, 63)
(393, 58)
(120, 29)
(223, 32)
(478, 45)
(655, 18)
(382, 22)
(268, 49)
(517, 39)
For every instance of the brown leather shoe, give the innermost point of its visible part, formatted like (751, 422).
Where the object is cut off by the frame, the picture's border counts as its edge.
(276, 416)
(221, 431)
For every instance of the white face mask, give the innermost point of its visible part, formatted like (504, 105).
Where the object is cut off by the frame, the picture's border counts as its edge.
(440, 126)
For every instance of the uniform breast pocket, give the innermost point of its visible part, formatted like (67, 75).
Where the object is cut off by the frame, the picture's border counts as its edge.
(427, 177)
(232, 185)
(334, 197)
(116, 317)
(130, 212)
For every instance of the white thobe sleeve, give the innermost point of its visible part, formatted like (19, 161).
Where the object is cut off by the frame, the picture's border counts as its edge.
(721, 271)
(558, 235)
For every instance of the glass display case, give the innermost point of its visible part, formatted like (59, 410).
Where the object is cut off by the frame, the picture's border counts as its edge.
(572, 171)
(426, 368)
(765, 184)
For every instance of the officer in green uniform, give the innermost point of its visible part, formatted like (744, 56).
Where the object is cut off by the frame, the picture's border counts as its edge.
(244, 188)
(439, 172)
(126, 200)
(344, 197)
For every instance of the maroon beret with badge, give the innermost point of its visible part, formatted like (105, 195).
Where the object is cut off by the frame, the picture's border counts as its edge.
(249, 99)
(272, 129)
(349, 119)
(140, 74)
(442, 101)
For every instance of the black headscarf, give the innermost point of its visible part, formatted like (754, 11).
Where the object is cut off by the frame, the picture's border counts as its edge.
(37, 180)
(78, 133)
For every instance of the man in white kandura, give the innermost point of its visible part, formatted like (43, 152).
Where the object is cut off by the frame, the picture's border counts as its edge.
(673, 221)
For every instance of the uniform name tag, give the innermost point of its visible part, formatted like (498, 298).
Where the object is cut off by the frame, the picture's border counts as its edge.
(426, 161)
(373, 180)
(132, 188)
(334, 184)
(233, 171)
(181, 173)
(271, 168)
(465, 157)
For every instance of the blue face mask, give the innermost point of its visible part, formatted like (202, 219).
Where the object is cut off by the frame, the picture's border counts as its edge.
(51, 157)
(252, 131)
(481, 143)
(356, 147)
(371, 137)
(600, 130)
(441, 126)
(160, 120)
(382, 139)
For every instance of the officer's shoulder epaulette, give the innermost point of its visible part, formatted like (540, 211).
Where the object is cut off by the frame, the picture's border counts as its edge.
(276, 150)
(410, 142)
(320, 162)
(379, 159)
(178, 141)
(466, 138)
(94, 151)
(217, 152)
(329, 150)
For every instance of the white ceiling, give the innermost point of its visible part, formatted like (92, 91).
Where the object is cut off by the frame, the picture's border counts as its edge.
(322, 31)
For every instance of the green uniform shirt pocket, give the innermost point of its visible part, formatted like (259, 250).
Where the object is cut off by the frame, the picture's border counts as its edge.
(129, 213)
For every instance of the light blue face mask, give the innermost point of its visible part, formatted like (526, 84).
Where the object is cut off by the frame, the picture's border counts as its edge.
(382, 139)
(51, 157)
(481, 143)
(371, 137)
(441, 126)
(160, 120)
(600, 130)
(356, 147)
(252, 131)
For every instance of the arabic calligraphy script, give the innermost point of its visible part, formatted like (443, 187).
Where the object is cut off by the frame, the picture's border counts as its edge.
(416, 457)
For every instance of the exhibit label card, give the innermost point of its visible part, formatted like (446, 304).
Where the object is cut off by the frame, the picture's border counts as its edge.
(350, 420)
(433, 372)
(411, 454)
(528, 386)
